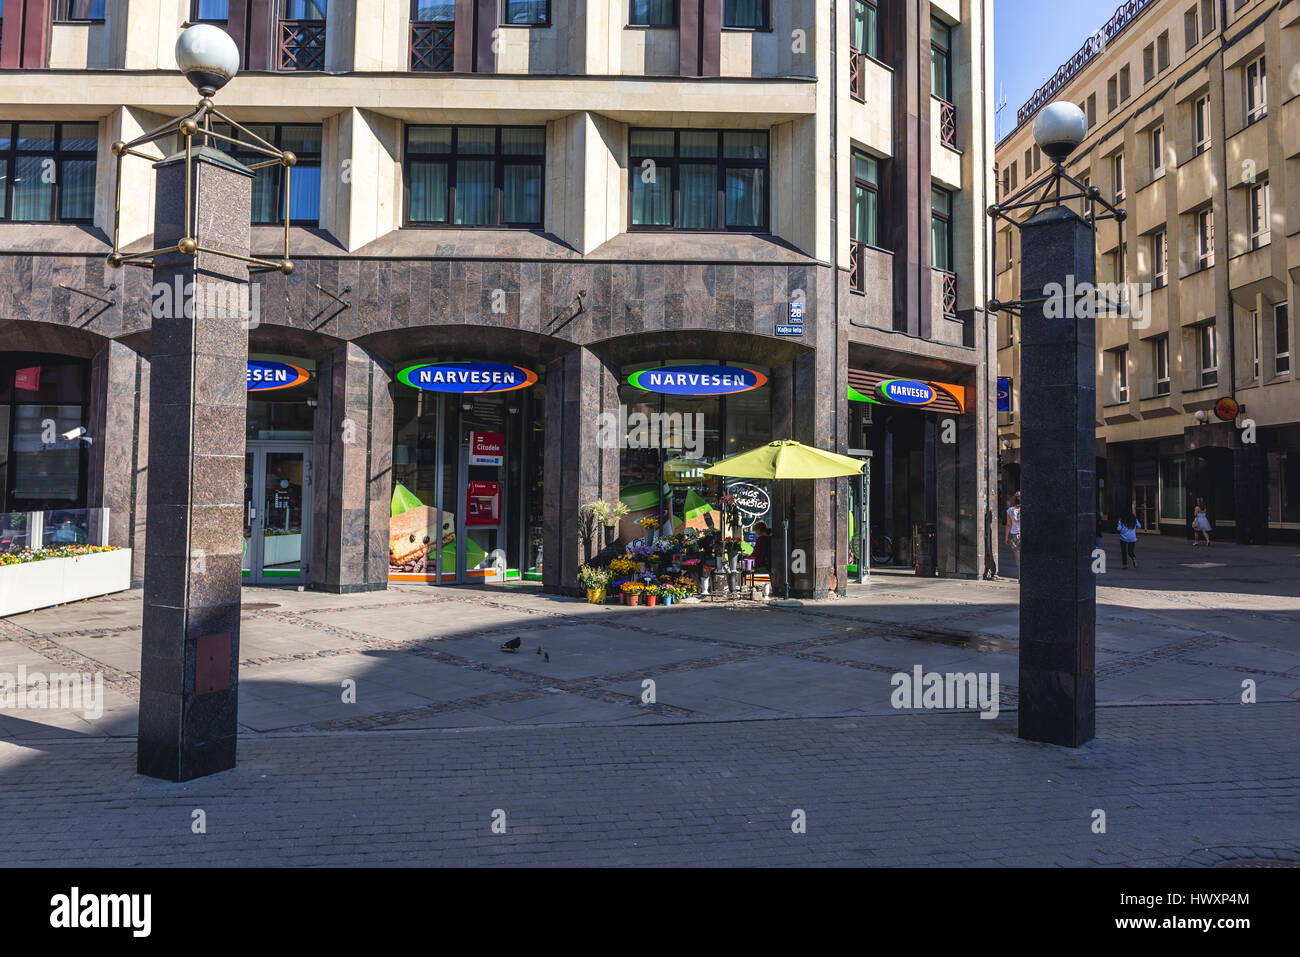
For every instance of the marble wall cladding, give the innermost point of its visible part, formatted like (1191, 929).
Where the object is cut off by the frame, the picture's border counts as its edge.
(118, 412)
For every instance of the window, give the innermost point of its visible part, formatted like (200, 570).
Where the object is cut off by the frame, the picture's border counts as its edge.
(531, 13)
(1148, 63)
(1191, 27)
(1260, 214)
(1162, 52)
(1256, 91)
(866, 28)
(1201, 124)
(1160, 363)
(38, 470)
(1209, 352)
(49, 171)
(1029, 163)
(1038, 159)
(940, 59)
(1160, 258)
(1112, 94)
(1122, 271)
(79, 10)
(433, 11)
(1254, 343)
(653, 13)
(475, 175)
(1092, 110)
(1205, 238)
(941, 229)
(745, 15)
(1281, 339)
(1119, 372)
(866, 199)
(210, 11)
(302, 9)
(1157, 152)
(1173, 496)
(1118, 166)
(1207, 16)
(268, 183)
(1124, 87)
(699, 179)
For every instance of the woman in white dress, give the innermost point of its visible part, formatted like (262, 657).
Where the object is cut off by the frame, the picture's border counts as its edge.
(1200, 523)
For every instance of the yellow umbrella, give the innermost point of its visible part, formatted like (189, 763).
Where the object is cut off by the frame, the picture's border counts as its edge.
(786, 459)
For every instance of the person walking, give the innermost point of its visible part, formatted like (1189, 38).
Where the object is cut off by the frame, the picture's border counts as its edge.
(1201, 523)
(1012, 534)
(1127, 528)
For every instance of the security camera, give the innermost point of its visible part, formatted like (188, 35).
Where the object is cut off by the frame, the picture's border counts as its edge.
(78, 433)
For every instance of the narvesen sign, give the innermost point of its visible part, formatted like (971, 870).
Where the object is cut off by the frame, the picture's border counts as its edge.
(907, 391)
(264, 376)
(697, 380)
(468, 377)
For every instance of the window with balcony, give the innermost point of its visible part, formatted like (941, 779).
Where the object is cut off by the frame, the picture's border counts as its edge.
(1160, 259)
(1160, 364)
(1157, 152)
(1208, 349)
(652, 13)
(302, 34)
(866, 28)
(1260, 214)
(699, 179)
(940, 59)
(941, 229)
(269, 181)
(866, 213)
(433, 36)
(746, 15)
(1201, 124)
(210, 11)
(530, 13)
(1281, 339)
(1204, 238)
(79, 10)
(1256, 90)
(475, 175)
(49, 171)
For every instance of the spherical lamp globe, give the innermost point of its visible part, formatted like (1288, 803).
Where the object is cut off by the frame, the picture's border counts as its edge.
(207, 56)
(1059, 128)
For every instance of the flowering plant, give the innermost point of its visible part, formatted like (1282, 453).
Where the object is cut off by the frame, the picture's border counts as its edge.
(632, 588)
(640, 552)
(625, 565)
(648, 523)
(62, 551)
(593, 578)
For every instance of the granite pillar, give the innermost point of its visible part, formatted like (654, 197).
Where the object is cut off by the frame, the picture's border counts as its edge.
(1250, 484)
(579, 388)
(119, 414)
(198, 404)
(351, 472)
(1058, 589)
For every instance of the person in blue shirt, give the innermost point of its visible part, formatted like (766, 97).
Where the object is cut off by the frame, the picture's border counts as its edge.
(1127, 528)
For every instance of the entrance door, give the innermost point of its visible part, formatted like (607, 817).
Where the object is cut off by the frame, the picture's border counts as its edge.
(1145, 505)
(860, 517)
(277, 513)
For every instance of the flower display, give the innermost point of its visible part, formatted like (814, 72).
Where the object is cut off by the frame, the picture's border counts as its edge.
(632, 588)
(625, 565)
(648, 523)
(62, 551)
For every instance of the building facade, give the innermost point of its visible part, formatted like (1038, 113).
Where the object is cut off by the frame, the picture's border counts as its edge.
(1194, 127)
(503, 212)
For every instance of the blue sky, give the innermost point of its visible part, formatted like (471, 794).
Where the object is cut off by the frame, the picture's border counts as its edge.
(1031, 39)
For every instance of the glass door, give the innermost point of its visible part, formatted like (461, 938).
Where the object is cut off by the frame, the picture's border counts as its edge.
(277, 513)
(1144, 505)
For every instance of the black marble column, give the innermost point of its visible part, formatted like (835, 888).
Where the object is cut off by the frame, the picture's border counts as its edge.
(1058, 591)
(1250, 484)
(119, 415)
(197, 405)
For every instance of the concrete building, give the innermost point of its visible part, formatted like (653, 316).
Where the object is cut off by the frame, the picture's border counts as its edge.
(1194, 123)
(557, 193)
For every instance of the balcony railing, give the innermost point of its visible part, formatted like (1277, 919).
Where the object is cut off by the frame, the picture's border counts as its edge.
(948, 123)
(857, 270)
(433, 46)
(949, 293)
(857, 78)
(302, 45)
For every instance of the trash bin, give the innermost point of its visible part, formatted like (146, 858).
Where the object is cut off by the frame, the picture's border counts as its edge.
(924, 550)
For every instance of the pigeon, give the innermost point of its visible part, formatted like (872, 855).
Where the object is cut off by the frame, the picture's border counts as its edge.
(548, 656)
(512, 645)
(539, 649)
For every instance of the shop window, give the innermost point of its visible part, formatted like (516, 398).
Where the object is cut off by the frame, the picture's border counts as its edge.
(699, 179)
(79, 11)
(941, 229)
(475, 175)
(940, 59)
(42, 398)
(210, 11)
(533, 13)
(49, 171)
(653, 13)
(1281, 339)
(268, 185)
(1173, 491)
(747, 15)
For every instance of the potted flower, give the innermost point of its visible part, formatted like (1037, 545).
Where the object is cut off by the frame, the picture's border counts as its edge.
(641, 554)
(651, 593)
(625, 566)
(632, 592)
(594, 580)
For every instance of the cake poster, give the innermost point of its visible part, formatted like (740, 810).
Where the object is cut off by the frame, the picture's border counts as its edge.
(417, 533)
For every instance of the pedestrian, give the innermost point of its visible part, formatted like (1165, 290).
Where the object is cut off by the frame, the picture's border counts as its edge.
(1012, 535)
(1127, 528)
(1201, 523)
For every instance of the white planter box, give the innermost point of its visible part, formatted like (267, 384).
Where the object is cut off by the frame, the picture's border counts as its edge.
(53, 581)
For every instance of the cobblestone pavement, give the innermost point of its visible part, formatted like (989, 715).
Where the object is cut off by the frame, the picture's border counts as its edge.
(757, 712)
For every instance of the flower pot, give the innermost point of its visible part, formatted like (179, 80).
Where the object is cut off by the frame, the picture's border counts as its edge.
(668, 600)
(651, 600)
(595, 596)
(634, 599)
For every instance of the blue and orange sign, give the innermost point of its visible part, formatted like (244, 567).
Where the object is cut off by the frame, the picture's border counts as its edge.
(467, 377)
(697, 380)
(907, 391)
(264, 376)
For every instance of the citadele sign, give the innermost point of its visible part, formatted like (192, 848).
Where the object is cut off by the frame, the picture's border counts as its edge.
(487, 448)
(264, 376)
(907, 391)
(697, 380)
(467, 377)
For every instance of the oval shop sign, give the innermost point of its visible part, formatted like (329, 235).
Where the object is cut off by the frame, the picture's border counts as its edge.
(467, 377)
(697, 380)
(907, 391)
(263, 376)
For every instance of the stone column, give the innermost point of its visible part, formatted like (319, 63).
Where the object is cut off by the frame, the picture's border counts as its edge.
(119, 415)
(351, 472)
(198, 404)
(579, 388)
(1058, 611)
(1250, 483)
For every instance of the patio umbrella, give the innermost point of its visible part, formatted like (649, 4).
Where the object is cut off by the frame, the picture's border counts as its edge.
(786, 459)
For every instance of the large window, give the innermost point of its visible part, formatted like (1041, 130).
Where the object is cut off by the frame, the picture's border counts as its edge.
(304, 140)
(475, 175)
(866, 199)
(209, 11)
(941, 228)
(699, 179)
(1256, 90)
(75, 10)
(533, 13)
(42, 398)
(866, 28)
(940, 59)
(653, 13)
(746, 15)
(49, 171)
